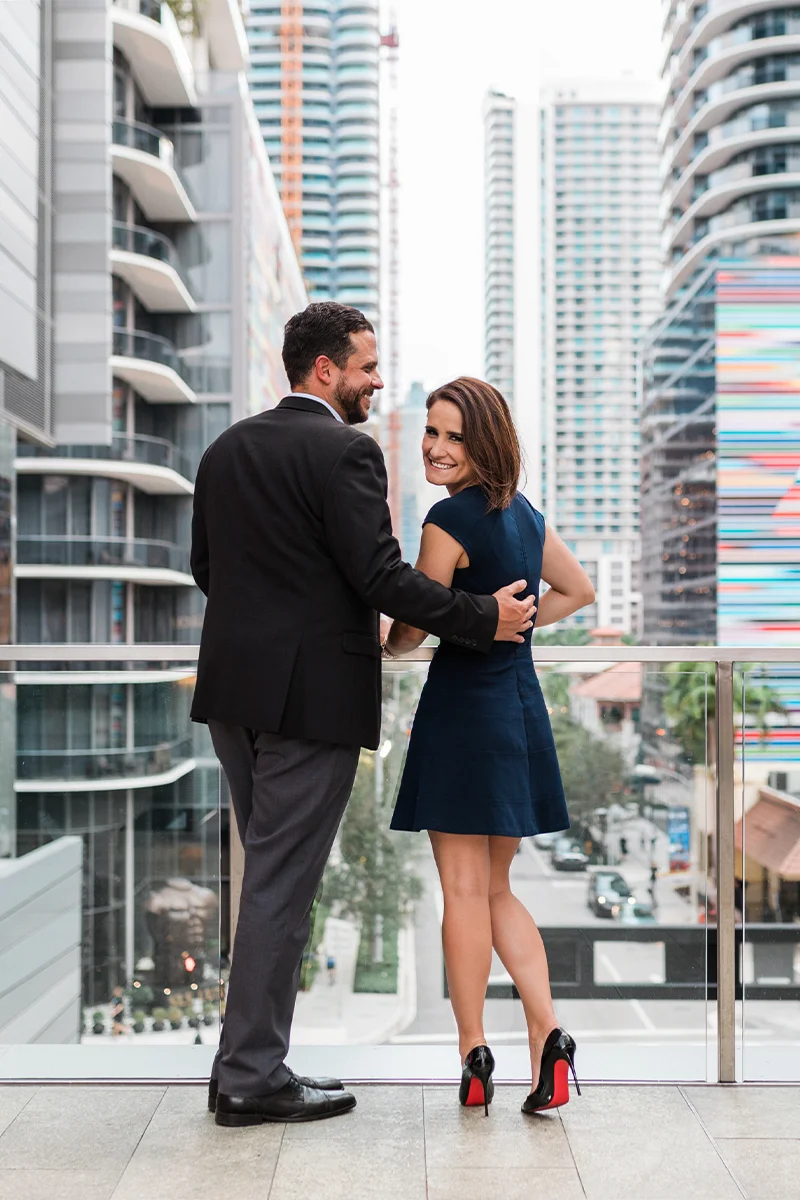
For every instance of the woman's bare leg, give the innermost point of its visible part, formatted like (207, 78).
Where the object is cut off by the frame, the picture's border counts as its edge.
(463, 863)
(520, 948)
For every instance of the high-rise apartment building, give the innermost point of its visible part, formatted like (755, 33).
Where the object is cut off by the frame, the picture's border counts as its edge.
(314, 75)
(600, 264)
(720, 400)
(416, 495)
(499, 126)
(172, 275)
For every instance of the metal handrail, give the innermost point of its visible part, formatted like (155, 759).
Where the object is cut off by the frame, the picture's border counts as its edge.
(723, 658)
(157, 652)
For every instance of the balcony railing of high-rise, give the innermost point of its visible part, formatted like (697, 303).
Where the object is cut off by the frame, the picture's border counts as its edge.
(670, 910)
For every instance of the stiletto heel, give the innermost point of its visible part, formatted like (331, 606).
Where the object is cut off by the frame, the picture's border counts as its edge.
(477, 1086)
(558, 1059)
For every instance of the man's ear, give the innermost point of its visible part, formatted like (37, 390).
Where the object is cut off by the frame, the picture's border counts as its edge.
(322, 368)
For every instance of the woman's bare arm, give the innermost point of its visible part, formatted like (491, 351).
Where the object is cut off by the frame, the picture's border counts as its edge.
(570, 588)
(439, 555)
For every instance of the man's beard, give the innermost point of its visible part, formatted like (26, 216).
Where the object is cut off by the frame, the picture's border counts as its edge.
(349, 400)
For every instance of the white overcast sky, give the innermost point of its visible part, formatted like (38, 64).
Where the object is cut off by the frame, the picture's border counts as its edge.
(451, 52)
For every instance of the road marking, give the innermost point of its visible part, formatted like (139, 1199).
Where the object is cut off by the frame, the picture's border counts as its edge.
(636, 1005)
(537, 856)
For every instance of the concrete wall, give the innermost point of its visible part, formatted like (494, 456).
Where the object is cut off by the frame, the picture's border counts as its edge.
(25, 215)
(82, 53)
(40, 944)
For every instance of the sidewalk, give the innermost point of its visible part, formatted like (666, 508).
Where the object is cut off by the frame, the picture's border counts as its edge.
(639, 834)
(333, 1014)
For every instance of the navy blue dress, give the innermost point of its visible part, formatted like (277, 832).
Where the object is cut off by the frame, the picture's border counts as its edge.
(481, 757)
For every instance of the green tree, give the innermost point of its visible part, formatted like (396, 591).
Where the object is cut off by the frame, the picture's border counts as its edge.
(561, 637)
(592, 770)
(373, 876)
(690, 705)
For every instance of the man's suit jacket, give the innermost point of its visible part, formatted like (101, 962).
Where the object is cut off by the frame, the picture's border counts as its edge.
(292, 544)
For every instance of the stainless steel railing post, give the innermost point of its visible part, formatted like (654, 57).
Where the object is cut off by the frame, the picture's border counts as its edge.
(725, 878)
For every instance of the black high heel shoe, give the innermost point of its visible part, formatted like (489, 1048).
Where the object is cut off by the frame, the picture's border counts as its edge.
(477, 1086)
(552, 1090)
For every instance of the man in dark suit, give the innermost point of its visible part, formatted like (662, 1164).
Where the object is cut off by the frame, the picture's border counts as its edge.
(292, 544)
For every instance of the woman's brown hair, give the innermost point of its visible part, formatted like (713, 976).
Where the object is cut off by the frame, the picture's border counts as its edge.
(490, 439)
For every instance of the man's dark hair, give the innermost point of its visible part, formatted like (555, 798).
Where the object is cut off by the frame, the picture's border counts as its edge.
(320, 329)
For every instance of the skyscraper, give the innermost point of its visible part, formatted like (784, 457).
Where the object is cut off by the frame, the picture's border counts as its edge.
(720, 401)
(314, 75)
(599, 262)
(499, 125)
(172, 261)
(416, 495)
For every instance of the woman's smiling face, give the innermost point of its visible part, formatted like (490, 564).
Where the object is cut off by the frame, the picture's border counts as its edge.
(443, 453)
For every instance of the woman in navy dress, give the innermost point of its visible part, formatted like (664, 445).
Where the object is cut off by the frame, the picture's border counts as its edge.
(481, 770)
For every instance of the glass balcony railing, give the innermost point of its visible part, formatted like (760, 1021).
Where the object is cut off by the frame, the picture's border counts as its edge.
(137, 447)
(72, 551)
(101, 763)
(137, 136)
(670, 909)
(137, 239)
(151, 9)
(151, 347)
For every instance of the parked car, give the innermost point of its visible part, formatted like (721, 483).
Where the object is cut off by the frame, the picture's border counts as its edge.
(608, 891)
(546, 841)
(568, 856)
(638, 913)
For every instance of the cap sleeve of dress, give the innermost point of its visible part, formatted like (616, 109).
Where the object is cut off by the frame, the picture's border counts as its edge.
(457, 518)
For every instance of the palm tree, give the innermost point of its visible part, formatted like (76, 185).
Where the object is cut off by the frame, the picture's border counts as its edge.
(561, 637)
(690, 704)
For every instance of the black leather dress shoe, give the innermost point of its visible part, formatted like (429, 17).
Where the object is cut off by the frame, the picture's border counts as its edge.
(324, 1084)
(293, 1103)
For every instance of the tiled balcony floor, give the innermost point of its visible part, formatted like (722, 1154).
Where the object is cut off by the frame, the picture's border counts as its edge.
(406, 1142)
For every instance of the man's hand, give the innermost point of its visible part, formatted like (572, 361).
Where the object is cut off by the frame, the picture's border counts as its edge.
(515, 615)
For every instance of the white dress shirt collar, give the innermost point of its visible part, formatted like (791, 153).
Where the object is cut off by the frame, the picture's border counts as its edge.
(319, 400)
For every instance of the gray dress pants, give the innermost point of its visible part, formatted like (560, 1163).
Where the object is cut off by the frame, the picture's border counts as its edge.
(288, 796)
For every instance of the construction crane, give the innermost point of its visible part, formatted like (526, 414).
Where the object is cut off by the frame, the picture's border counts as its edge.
(392, 424)
(292, 117)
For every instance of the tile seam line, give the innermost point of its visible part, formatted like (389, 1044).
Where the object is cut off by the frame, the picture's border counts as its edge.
(713, 1142)
(424, 1140)
(275, 1164)
(129, 1159)
(571, 1151)
(19, 1114)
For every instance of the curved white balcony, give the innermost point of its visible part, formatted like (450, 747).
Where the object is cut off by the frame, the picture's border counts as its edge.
(144, 159)
(365, 92)
(716, 112)
(684, 269)
(717, 199)
(149, 264)
(147, 34)
(226, 34)
(137, 560)
(717, 69)
(716, 155)
(719, 19)
(151, 366)
(368, 222)
(140, 774)
(356, 202)
(347, 240)
(150, 464)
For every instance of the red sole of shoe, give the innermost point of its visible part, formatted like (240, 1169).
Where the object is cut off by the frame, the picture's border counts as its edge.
(561, 1087)
(475, 1095)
